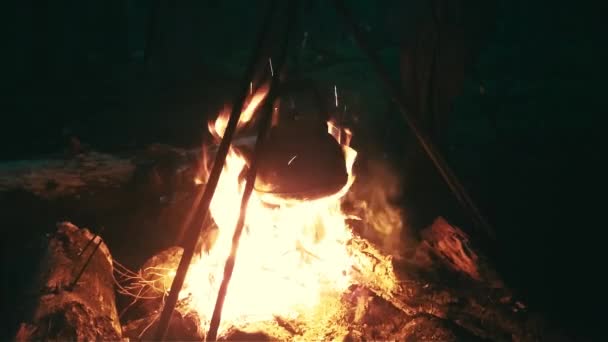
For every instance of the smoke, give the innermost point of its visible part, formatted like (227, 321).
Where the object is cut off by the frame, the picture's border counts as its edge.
(374, 200)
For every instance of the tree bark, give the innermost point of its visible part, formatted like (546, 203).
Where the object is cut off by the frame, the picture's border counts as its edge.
(68, 311)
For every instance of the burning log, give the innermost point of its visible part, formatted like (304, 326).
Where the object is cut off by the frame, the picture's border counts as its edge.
(445, 291)
(77, 301)
(390, 299)
(484, 310)
(302, 271)
(181, 328)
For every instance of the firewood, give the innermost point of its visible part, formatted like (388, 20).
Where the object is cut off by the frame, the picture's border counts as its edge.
(74, 311)
(157, 168)
(391, 300)
(482, 306)
(181, 328)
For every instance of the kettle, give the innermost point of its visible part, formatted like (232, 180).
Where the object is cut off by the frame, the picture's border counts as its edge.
(299, 159)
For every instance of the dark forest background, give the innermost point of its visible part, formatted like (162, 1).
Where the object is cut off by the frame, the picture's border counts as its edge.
(524, 133)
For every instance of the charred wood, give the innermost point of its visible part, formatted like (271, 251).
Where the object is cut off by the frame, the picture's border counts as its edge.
(443, 290)
(446, 292)
(474, 299)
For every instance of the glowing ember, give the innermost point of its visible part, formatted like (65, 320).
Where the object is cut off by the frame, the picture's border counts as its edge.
(292, 256)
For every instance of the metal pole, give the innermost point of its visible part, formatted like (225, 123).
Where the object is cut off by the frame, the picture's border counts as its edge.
(250, 181)
(444, 170)
(264, 126)
(71, 286)
(90, 241)
(194, 222)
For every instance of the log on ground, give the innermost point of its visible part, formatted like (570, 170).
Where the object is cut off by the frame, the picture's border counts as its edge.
(392, 300)
(463, 288)
(68, 311)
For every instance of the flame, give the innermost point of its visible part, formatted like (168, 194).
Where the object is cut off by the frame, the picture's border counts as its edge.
(217, 128)
(291, 256)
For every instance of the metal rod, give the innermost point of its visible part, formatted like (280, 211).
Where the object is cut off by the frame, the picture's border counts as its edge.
(264, 126)
(90, 241)
(195, 221)
(444, 170)
(230, 262)
(87, 245)
(84, 267)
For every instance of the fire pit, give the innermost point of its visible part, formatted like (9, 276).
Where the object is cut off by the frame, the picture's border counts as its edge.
(282, 261)
(444, 291)
(293, 257)
(305, 270)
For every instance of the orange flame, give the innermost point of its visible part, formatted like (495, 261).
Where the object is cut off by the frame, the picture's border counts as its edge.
(291, 256)
(217, 128)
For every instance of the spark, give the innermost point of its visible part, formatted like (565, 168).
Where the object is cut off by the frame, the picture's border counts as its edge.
(304, 40)
(293, 104)
(250, 88)
(292, 158)
(271, 69)
(336, 95)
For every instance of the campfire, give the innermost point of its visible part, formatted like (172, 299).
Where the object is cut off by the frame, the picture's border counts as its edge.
(293, 261)
(304, 271)
(306, 267)
(292, 256)
(324, 267)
